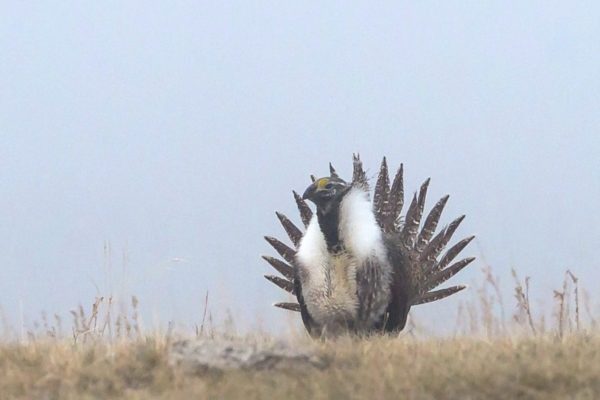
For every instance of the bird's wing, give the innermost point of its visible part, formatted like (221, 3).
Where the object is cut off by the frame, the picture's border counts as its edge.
(372, 289)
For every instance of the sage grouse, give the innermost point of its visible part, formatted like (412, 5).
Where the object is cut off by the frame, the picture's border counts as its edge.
(359, 266)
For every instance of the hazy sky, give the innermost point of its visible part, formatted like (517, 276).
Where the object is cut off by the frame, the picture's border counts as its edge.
(174, 130)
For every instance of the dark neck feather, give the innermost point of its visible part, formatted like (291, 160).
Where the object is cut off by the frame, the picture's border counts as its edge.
(329, 224)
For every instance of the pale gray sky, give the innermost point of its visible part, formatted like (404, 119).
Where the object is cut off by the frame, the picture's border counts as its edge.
(175, 129)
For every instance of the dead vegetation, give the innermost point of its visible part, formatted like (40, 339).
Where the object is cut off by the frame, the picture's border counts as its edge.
(540, 368)
(500, 348)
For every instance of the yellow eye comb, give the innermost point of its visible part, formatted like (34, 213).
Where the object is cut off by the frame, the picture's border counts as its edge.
(322, 182)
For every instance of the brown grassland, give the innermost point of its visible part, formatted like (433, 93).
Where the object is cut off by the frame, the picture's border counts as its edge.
(489, 357)
(540, 368)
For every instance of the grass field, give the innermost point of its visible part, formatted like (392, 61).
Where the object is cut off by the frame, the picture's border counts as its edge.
(503, 368)
(493, 354)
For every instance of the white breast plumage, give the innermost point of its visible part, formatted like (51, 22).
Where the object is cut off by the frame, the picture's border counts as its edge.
(329, 280)
(358, 228)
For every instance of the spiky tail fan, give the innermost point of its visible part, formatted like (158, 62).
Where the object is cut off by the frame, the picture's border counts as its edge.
(422, 270)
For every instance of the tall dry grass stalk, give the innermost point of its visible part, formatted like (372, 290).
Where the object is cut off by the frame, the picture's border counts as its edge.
(575, 281)
(99, 321)
(588, 310)
(523, 304)
(484, 314)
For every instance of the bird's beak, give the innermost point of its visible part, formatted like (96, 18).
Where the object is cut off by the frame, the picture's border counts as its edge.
(310, 191)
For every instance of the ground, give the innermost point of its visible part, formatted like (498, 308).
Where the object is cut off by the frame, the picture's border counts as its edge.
(466, 368)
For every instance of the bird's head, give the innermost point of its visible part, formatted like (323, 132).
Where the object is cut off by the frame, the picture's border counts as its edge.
(327, 192)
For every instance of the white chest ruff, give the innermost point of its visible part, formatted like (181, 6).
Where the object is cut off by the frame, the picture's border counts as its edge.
(328, 280)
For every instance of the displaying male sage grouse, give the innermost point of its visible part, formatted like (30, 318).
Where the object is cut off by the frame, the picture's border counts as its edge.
(360, 266)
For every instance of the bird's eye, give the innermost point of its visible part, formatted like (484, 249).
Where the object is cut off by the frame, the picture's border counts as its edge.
(329, 186)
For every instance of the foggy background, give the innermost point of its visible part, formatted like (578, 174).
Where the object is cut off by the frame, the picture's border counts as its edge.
(144, 146)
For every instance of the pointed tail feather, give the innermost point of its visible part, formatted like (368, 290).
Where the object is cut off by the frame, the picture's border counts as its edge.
(284, 251)
(292, 230)
(305, 211)
(431, 223)
(413, 216)
(282, 283)
(283, 268)
(395, 201)
(380, 195)
(359, 177)
(410, 224)
(452, 253)
(332, 172)
(434, 248)
(438, 294)
(453, 226)
(442, 276)
(288, 306)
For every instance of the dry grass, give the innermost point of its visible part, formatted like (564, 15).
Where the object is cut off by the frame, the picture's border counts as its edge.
(537, 368)
(496, 352)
